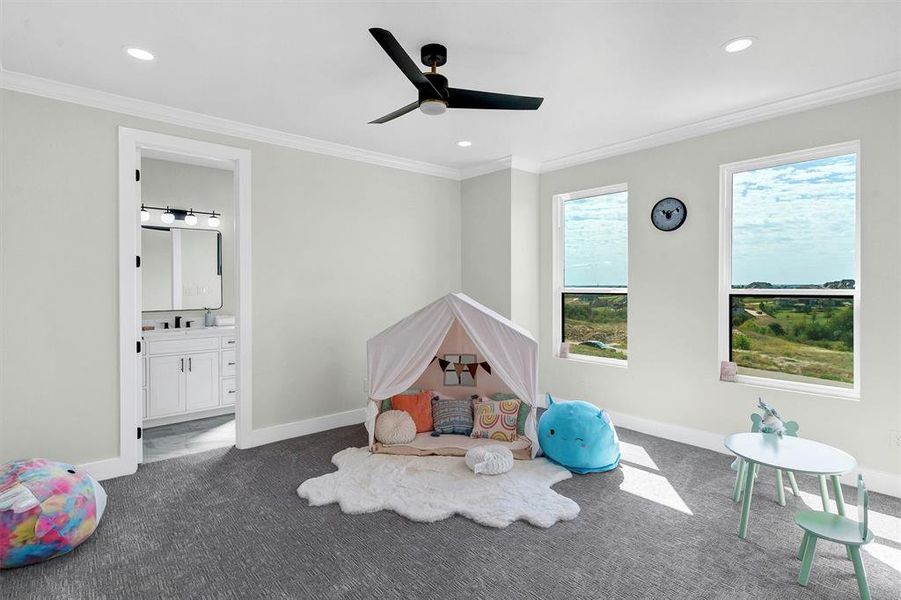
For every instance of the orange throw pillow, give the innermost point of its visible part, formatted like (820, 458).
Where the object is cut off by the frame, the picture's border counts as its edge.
(419, 406)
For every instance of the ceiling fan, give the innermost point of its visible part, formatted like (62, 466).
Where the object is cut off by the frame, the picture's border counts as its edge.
(435, 97)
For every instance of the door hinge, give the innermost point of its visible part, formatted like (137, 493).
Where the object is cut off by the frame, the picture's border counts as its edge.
(137, 262)
(139, 347)
(140, 433)
(137, 174)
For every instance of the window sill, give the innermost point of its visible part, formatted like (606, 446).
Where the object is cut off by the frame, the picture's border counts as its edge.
(797, 386)
(596, 360)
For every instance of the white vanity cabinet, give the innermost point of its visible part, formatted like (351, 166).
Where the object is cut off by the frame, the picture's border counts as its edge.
(189, 374)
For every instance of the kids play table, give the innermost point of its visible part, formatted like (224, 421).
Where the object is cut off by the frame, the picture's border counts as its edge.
(789, 454)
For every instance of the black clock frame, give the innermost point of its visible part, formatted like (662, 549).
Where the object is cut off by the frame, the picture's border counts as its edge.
(684, 210)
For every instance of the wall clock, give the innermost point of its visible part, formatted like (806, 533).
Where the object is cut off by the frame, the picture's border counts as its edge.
(669, 214)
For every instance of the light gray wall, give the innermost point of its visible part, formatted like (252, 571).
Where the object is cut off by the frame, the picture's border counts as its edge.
(165, 183)
(673, 280)
(341, 250)
(524, 249)
(485, 221)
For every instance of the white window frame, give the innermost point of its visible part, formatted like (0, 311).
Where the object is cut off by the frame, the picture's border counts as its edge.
(558, 254)
(725, 278)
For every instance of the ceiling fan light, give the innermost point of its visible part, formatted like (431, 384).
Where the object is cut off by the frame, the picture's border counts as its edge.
(433, 107)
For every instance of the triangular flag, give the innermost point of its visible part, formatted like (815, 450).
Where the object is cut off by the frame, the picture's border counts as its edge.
(472, 369)
(486, 366)
(434, 358)
(458, 367)
(443, 363)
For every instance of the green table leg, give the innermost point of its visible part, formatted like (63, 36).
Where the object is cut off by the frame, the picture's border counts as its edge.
(803, 547)
(793, 483)
(860, 573)
(824, 492)
(839, 497)
(807, 561)
(780, 488)
(840, 503)
(746, 502)
(739, 477)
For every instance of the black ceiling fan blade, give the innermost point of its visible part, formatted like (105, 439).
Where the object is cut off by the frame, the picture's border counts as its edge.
(460, 98)
(398, 113)
(403, 61)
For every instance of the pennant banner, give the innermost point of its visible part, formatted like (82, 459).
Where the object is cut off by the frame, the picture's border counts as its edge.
(472, 367)
(486, 366)
(460, 367)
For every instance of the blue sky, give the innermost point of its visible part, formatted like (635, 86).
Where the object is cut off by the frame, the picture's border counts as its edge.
(595, 237)
(794, 224)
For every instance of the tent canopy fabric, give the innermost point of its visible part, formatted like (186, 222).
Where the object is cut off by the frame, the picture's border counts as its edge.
(397, 356)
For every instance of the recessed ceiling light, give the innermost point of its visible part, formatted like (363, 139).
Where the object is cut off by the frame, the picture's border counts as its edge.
(738, 44)
(139, 53)
(464, 143)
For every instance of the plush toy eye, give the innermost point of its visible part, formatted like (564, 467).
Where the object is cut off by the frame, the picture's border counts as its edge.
(552, 432)
(72, 471)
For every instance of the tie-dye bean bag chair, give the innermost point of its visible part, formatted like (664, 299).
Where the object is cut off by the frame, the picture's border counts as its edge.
(47, 508)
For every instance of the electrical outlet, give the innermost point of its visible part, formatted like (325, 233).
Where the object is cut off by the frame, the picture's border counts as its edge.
(896, 438)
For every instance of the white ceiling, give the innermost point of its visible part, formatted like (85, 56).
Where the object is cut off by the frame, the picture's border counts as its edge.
(609, 72)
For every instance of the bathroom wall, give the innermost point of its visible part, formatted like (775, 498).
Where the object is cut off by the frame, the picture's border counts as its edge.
(168, 183)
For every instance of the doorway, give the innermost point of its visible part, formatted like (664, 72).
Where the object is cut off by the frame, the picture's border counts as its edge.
(185, 327)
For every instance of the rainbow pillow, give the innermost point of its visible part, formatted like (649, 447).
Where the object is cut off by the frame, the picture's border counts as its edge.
(47, 508)
(495, 420)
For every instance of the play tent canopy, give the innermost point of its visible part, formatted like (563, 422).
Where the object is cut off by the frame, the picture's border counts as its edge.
(397, 356)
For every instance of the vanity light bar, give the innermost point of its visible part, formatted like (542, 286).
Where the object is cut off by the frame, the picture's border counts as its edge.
(188, 216)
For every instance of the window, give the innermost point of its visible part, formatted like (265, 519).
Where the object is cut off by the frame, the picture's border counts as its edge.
(789, 273)
(591, 295)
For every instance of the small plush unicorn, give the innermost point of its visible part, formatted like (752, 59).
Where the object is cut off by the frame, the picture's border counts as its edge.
(771, 422)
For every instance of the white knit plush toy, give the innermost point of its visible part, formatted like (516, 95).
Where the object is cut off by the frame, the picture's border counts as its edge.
(489, 460)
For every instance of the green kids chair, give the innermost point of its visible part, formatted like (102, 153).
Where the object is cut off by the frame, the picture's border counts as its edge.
(842, 530)
(740, 466)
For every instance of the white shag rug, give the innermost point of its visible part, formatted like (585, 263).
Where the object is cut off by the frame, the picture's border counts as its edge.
(432, 488)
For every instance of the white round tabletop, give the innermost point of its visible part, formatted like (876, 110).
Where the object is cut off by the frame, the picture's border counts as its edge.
(790, 453)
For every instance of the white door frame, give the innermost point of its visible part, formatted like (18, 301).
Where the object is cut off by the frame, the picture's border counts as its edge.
(132, 143)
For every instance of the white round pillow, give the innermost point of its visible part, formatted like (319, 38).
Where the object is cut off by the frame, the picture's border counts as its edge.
(489, 460)
(395, 427)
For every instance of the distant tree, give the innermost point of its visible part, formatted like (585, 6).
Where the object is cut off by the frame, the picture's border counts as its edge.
(742, 342)
(777, 329)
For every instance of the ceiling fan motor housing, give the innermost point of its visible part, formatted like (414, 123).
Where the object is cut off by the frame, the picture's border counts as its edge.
(433, 54)
(440, 83)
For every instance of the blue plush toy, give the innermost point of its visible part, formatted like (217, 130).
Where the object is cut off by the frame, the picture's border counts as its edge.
(579, 436)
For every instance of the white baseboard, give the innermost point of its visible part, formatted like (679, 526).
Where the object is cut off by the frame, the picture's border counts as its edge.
(107, 468)
(277, 433)
(877, 481)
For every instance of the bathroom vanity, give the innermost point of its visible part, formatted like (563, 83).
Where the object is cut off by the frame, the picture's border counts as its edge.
(188, 374)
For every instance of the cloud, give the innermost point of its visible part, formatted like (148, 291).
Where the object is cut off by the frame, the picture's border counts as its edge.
(595, 233)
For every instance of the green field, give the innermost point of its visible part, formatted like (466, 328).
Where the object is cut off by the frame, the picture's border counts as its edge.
(595, 318)
(800, 337)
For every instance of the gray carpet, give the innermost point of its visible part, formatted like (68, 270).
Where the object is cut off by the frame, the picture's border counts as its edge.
(227, 524)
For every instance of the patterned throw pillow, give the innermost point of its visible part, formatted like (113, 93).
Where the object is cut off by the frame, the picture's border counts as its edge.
(523, 411)
(496, 420)
(452, 416)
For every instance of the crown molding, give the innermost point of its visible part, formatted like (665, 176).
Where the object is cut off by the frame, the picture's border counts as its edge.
(38, 86)
(48, 88)
(842, 93)
(508, 162)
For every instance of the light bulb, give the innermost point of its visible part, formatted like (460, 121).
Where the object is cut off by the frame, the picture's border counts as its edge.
(433, 107)
(213, 221)
(167, 217)
(191, 219)
(145, 216)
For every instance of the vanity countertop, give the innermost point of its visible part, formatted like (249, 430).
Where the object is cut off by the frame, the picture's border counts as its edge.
(162, 334)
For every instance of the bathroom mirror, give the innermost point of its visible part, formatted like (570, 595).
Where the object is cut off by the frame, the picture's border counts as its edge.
(181, 269)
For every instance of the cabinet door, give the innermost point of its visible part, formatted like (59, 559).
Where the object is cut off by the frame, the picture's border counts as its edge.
(202, 380)
(167, 395)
